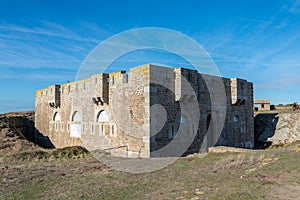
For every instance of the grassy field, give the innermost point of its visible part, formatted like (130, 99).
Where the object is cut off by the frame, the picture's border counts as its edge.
(262, 174)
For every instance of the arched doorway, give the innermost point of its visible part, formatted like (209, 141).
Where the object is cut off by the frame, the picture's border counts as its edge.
(102, 122)
(76, 126)
(209, 131)
(208, 119)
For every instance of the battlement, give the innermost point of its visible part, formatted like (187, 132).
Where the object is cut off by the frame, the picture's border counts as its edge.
(240, 91)
(96, 106)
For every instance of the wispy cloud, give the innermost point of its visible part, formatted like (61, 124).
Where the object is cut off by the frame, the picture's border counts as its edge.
(294, 7)
(47, 45)
(259, 42)
(48, 29)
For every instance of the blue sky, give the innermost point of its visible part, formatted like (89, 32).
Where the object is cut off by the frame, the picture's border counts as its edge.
(44, 42)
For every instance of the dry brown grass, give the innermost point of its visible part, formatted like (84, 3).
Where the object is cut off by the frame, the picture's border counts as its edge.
(240, 161)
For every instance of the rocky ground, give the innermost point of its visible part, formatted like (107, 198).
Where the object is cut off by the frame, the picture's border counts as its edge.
(28, 171)
(18, 140)
(13, 129)
(277, 127)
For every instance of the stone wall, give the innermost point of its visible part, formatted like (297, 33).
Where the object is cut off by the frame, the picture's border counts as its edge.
(112, 93)
(138, 114)
(238, 130)
(263, 105)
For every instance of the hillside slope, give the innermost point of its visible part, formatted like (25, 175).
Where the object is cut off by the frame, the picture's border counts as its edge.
(14, 127)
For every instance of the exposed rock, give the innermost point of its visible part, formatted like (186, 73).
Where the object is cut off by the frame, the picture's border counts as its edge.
(14, 127)
(276, 128)
(19, 140)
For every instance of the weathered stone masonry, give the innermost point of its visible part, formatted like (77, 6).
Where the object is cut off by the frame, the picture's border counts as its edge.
(114, 112)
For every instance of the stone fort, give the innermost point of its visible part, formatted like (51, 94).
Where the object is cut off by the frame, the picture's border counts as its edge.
(130, 115)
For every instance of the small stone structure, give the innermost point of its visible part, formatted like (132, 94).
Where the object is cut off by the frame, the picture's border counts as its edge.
(263, 105)
(111, 110)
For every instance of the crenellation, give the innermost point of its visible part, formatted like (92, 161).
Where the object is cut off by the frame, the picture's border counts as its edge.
(139, 112)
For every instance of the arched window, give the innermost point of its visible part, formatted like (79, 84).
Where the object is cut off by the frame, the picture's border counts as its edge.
(236, 119)
(102, 116)
(76, 117)
(182, 119)
(76, 127)
(56, 117)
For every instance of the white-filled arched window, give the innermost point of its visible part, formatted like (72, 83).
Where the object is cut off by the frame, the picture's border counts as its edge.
(56, 117)
(75, 126)
(102, 119)
(76, 117)
(102, 116)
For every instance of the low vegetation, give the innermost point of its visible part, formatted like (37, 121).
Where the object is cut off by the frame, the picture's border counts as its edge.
(28, 171)
(260, 174)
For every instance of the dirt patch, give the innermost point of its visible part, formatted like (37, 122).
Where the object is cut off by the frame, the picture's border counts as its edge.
(287, 192)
